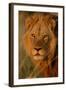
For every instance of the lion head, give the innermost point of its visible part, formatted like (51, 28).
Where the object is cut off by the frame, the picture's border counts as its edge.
(39, 39)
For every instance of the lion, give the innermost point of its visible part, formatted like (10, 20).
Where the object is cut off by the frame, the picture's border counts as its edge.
(40, 43)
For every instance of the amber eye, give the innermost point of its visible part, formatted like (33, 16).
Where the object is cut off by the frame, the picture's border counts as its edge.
(33, 35)
(46, 38)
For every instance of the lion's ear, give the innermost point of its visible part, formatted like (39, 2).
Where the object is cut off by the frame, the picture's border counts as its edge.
(53, 21)
(52, 24)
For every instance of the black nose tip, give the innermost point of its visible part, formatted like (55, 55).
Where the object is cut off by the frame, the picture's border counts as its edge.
(37, 49)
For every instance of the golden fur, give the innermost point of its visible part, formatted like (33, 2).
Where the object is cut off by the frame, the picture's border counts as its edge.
(39, 40)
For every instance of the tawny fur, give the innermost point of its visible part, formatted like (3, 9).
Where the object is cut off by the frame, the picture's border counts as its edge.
(39, 33)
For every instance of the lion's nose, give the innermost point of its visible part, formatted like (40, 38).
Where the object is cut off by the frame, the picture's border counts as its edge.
(37, 49)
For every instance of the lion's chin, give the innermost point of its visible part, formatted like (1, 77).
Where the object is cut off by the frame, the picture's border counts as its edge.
(38, 57)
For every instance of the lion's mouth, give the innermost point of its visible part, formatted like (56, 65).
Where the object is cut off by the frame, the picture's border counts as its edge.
(37, 56)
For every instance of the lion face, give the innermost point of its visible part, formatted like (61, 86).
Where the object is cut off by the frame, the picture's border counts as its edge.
(39, 40)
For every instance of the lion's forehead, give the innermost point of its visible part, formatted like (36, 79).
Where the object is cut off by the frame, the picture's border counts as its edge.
(40, 30)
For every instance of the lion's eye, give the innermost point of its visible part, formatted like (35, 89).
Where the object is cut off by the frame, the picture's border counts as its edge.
(33, 35)
(46, 38)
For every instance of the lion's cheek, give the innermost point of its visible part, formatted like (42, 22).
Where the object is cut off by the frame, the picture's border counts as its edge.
(42, 52)
(34, 52)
